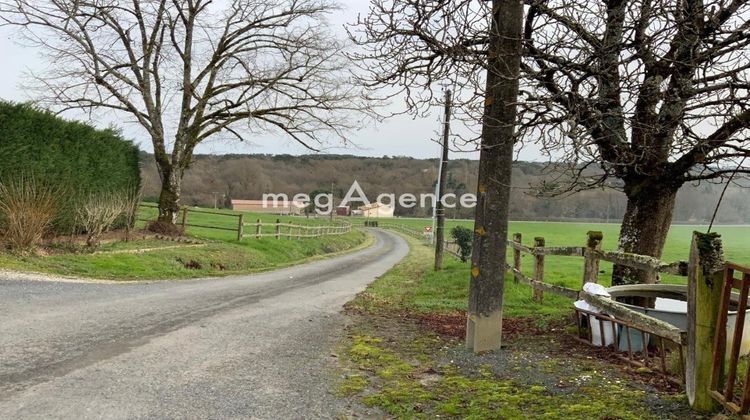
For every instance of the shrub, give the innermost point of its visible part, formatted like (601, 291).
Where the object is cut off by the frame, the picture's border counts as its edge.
(130, 209)
(65, 155)
(98, 213)
(27, 209)
(463, 237)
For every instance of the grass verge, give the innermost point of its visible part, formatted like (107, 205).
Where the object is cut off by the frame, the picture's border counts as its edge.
(220, 256)
(413, 286)
(400, 360)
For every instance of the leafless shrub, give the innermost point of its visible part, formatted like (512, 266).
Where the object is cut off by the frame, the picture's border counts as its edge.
(133, 198)
(98, 213)
(27, 209)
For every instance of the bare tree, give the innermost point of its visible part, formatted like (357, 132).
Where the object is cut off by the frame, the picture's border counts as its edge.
(187, 70)
(651, 92)
(638, 95)
(413, 46)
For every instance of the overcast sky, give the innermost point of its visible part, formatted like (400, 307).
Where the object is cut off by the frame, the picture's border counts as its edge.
(403, 135)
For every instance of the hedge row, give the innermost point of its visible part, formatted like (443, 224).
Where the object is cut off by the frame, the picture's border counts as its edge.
(74, 158)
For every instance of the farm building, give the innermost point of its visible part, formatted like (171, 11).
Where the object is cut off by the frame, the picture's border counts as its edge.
(343, 211)
(377, 210)
(269, 206)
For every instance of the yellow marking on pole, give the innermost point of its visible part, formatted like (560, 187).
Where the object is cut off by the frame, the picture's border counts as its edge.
(482, 188)
(475, 272)
(480, 231)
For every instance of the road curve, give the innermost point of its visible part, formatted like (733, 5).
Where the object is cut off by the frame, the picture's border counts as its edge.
(255, 346)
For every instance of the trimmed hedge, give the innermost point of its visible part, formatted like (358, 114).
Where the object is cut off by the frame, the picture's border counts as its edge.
(74, 158)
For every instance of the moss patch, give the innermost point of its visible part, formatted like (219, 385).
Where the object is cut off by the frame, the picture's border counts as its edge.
(410, 373)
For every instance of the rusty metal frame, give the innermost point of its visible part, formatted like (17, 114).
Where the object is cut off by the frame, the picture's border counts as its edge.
(654, 359)
(726, 393)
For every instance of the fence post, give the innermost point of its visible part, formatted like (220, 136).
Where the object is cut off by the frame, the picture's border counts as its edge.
(240, 227)
(705, 281)
(299, 232)
(590, 262)
(538, 295)
(278, 229)
(258, 227)
(184, 219)
(516, 255)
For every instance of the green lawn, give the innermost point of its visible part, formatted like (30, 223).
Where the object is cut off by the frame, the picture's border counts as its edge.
(413, 285)
(568, 270)
(221, 255)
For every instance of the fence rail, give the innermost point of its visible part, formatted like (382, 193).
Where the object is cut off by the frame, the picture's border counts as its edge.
(294, 231)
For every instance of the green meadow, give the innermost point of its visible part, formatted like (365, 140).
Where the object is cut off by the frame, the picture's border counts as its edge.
(413, 285)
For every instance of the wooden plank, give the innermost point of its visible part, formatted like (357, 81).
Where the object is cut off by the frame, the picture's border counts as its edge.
(637, 319)
(552, 288)
(640, 262)
(211, 227)
(563, 251)
(677, 268)
(520, 247)
(216, 213)
(734, 354)
(517, 238)
(538, 294)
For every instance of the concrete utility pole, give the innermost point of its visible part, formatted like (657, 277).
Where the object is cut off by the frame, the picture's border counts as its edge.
(485, 314)
(439, 208)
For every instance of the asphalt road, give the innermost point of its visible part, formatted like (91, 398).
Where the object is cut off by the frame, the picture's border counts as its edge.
(256, 346)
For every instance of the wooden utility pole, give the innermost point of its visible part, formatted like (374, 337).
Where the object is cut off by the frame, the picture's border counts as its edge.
(485, 315)
(439, 208)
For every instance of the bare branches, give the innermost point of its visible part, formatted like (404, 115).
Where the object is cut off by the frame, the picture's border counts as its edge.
(661, 93)
(190, 70)
(238, 68)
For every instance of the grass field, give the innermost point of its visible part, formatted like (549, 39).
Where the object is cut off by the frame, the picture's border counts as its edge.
(413, 285)
(220, 255)
(736, 239)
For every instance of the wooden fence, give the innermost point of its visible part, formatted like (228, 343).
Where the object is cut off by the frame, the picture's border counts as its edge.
(592, 254)
(236, 223)
(616, 315)
(280, 230)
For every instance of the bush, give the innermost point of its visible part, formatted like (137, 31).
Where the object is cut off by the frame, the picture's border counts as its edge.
(99, 213)
(130, 210)
(463, 237)
(27, 209)
(65, 155)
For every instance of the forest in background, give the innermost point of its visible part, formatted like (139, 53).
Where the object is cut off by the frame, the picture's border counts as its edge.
(220, 178)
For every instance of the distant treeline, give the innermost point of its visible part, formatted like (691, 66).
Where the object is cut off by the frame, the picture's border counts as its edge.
(227, 177)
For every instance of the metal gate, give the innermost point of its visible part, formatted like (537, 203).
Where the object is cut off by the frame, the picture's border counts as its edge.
(728, 386)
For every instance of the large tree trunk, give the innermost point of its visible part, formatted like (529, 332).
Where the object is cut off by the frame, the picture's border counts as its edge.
(169, 198)
(644, 230)
(485, 315)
